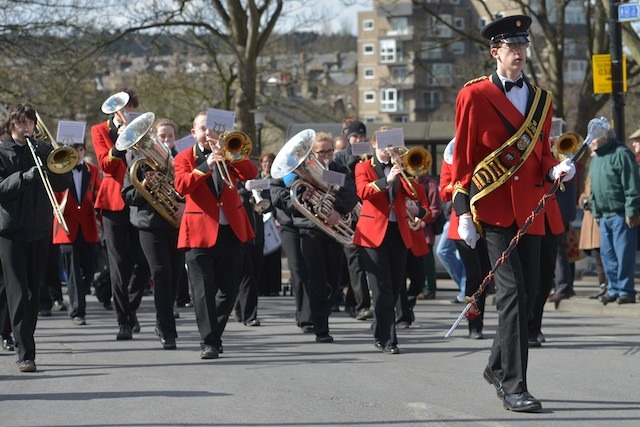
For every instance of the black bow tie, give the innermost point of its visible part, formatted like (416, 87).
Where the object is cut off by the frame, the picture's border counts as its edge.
(79, 167)
(509, 85)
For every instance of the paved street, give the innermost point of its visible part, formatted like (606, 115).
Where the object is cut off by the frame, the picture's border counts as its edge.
(587, 373)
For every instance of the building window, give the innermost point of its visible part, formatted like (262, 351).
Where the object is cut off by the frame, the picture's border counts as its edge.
(369, 73)
(367, 25)
(575, 71)
(430, 50)
(432, 99)
(399, 75)
(440, 74)
(457, 48)
(389, 100)
(369, 97)
(399, 25)
(440, 28)
(368, 49)
(387, 51)
(458, 23)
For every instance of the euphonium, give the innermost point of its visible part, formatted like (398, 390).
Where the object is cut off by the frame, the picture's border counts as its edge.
(63, 158)
(235, 146)
(565, 144)
(295, 157)
(157, 188)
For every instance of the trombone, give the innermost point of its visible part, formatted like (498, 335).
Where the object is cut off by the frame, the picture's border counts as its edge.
(57, 211)
(234, 146)
(63, 158)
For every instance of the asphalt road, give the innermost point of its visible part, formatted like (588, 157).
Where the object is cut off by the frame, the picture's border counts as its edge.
(587, 373)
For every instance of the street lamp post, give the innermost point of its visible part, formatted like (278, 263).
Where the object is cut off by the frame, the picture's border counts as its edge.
(258, 119)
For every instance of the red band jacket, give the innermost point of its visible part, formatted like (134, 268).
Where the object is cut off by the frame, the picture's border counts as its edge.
(112, 163)
(200, 221)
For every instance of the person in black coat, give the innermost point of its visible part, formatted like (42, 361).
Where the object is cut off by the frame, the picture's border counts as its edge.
(26, 224)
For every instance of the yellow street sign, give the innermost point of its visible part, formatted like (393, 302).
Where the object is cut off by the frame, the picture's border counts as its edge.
(601, 65)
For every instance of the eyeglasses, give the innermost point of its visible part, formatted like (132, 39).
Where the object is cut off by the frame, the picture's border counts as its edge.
(514, 47)
(324, 152)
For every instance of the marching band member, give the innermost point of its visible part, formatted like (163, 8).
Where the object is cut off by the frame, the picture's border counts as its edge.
(166, 130)
(159, 243)
(322, 254)
(79, 247)
(213, 227)
(500, 163)
(128, 269)
(383, 231)
(25, 225)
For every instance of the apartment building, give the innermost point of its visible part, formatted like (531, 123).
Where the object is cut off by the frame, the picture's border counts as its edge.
(412, 60)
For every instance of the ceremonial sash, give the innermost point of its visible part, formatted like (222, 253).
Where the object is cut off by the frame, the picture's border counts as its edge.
(495, 169)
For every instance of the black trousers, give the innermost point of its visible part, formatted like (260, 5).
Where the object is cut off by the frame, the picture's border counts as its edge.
(548, 254)
(51, 288)
(166, 263)
(23, 273)
(5, 320)
(290, 236)
(386, 273)
(358, 291)
(128, 268)
(78, 260)
(516, 288)
(477, 266)
(407, 295)
(322, 257)
(215, 276)
(246, 307)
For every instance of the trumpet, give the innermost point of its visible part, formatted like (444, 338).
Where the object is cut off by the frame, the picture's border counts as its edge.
(63, 158)
(57, 211)
(234, 146)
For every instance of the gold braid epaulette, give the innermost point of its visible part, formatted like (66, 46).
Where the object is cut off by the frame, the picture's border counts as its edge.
(476, 80)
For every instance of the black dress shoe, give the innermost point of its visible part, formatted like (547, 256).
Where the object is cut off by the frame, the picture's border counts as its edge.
(490, 377)
(44, 313)
(208, 352)
(627, 299)
(364, 314)
(58, 306)
(135, 325)
(391, 349)
(350, 310)
(377, 344)
(125, 332)
(8, 344)
(168, 343)
(606, 299)
(325, 339)
(107, 305)
(254, 322)
(603, 291)
(403, 325)
(533, 343)
(308, 329)
(428, 295)
(27, 366)
(521, 402)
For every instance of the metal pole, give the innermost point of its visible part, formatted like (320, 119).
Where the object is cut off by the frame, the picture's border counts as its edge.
(616, 71)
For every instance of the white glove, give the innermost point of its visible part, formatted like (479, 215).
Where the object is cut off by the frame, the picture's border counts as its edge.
(467, 230)
(566, 166)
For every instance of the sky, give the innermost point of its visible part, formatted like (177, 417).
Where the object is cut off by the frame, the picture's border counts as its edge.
(323, 15)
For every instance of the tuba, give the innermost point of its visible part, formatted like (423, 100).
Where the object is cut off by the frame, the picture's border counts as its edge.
(235, 146)
(63, 158)
(157, 188)
(295, 157)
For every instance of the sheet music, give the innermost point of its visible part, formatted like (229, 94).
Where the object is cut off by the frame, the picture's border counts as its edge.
(333, 177)
(390, 138)
(360, 148)
(220, 120)
(185, 143)
(71, 132)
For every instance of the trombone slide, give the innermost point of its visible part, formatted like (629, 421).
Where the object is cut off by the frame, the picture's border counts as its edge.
(57, 212)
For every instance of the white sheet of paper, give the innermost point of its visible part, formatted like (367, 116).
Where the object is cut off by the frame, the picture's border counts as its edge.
(131, 115)
(185, 143)
(360, 148)
(333, 177)
(257, 184)
(390, 138)
(71, 132)
(220, 120)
